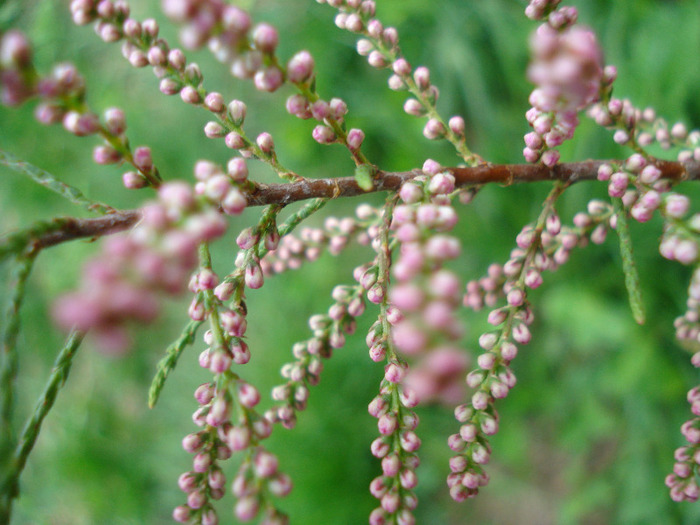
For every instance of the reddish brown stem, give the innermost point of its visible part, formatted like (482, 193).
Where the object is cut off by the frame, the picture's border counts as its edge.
(266, 194)
(488, 173)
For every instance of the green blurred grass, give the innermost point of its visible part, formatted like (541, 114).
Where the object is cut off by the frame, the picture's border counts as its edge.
(588, 433)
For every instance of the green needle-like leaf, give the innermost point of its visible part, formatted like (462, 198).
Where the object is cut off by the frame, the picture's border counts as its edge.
(9, 484)
(49, 181)
(634, 290)
(166, 365)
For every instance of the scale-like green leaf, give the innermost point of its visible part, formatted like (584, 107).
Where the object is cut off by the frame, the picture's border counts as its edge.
(634, 290)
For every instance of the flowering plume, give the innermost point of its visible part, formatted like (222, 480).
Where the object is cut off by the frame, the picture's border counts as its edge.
(567, 70)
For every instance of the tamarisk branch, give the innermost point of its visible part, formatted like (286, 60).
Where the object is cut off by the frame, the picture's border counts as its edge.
(67, 229)
(507, 174)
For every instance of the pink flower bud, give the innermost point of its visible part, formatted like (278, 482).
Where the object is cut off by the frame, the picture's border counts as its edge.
(300, 67)
(434, 129)
(265, 38)
(355, 139)
(265, 142)
(323, 134)
(265, 464)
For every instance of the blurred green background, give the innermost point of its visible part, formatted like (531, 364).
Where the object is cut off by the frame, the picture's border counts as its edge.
(588, 434)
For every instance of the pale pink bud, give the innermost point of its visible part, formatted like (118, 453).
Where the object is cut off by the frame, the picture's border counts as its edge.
(521, 334)
(355, 139)
(394, 373)
(509, 351)
(265, 464)
(376, 59)
(234, 202)
(457, 125)
(268, 79)
(265, 142)
(189, 95)
(434, 129)
(676, 205)
(323, 134)
(300, 67)
(414, 107)
(387, 424)
(237, 111)
(265, 38)
(247, 508)
(480, 400)
(253, 275)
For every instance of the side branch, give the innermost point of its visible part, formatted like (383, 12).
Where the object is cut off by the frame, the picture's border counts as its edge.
(44, 234)
(67, 229)
(265, 194)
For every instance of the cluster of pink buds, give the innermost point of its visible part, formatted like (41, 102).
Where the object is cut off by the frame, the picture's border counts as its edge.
(206, 481)
(222, 188)
(491, 381)
(16, 70)
(142, 47)
(380, 45)
(258, 476)
(121, 284)
(329, 331)
(355, 16)
(426, 293)
(639, 184)
(682, 481)
(544, 246)
(397, 448)
(688, 325)
(226, 412)
(547, 10)
(226, 30)
(62, 100)
(557, 242)
(646, 179)
(293, 251)
(218, 439)
(568, 73)
(641, 128)
(330, 114)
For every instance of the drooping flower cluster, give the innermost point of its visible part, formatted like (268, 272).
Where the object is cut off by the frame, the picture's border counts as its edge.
(682, 482)
(122, 284)
(230, 423)
(227, 31)
(397, 448)
(330, 331)
(544, 246)
(425, 291)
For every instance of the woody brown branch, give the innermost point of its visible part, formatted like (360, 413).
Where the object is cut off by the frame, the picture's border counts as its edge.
(265, 194)
(507, 174)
